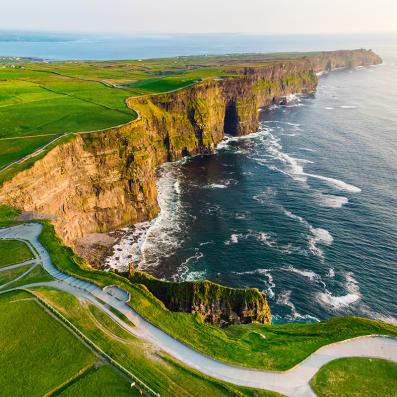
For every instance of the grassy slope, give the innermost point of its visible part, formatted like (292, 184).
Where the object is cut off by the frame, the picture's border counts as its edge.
(158, 370)
(13, 252)
(356, 377)
(37, 352)
(283, 345)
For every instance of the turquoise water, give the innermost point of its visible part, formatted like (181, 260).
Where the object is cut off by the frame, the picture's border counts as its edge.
(305, 209)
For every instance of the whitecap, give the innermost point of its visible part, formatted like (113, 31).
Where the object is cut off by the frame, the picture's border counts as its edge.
(183, 272)
(318, 235)
(215, 186)
(270, 284)
(332, 201)
(348, 107)
(261, 237)
(338, 184)
(312, 276)
(284, 299)
(338, 302)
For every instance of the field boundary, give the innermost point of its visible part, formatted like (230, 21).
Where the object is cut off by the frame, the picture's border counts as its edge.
(93, 345)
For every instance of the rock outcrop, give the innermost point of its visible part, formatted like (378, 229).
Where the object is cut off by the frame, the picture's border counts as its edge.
(215, 303)
(102, 181)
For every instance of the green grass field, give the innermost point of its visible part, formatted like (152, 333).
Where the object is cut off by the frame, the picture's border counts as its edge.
(13, 252)
(356, 377)
(37, 352)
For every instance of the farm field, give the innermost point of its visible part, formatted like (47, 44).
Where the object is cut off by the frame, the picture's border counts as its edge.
(38, 353)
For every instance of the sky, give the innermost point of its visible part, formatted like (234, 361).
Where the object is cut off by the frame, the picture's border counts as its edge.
(200, 16)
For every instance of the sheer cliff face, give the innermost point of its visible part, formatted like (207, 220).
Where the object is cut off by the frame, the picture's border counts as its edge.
(102, 181)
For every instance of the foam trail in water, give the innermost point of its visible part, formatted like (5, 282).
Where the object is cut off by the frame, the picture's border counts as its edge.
(294, 167)
(319, 235)
(284, 299)
(328, 299)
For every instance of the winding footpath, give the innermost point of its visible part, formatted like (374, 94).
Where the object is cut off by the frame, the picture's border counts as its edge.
(292, 383)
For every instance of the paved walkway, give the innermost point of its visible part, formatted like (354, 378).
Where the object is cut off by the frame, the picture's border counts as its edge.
(293, 383)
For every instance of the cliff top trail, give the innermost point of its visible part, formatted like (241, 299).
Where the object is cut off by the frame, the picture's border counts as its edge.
(40, 101)
(294, 382)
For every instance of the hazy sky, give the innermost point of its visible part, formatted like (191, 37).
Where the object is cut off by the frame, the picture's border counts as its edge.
(251, 16)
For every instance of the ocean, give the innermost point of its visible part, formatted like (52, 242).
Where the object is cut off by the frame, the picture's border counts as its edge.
(305, 209)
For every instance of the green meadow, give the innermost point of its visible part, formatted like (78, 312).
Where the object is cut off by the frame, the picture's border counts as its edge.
(356, 377)
(13, 252)
(37, 352)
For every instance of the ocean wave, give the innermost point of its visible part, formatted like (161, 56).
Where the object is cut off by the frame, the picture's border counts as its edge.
(332, 201)
(128, 248)
(336, 183)
(261, 237)
(318, 235)
(183, 272)
(165, 233)
(348, 107)
(295, 166)
(216, 186)
(328, 299)
(284, 299)
(312, 276)
(270, 284)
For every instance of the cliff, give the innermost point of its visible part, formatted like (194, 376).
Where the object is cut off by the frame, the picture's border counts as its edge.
(215, 303)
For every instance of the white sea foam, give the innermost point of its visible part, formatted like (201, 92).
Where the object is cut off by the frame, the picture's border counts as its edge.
(270, 285)
(318, 235)
(332, 201)
(166, 232)
(294, 167)
(216, 186)
(261, 237)
(183, 272)
(128, 248)
(312, 276)
(284, 299)
(336, 183)
(348, 107)
(328, 108)
(328, 299)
